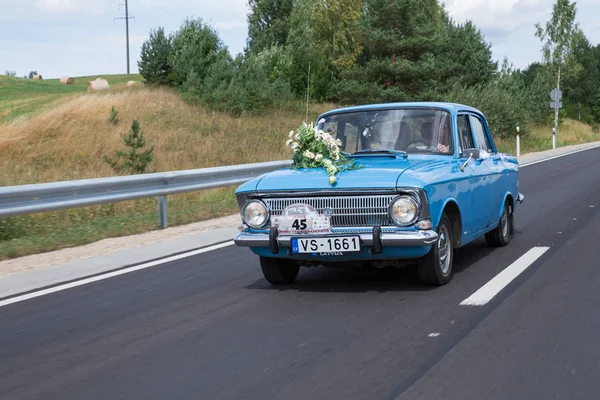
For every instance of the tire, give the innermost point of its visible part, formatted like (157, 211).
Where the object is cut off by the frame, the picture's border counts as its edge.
(500, 236)
(279, 272)
(436, 267)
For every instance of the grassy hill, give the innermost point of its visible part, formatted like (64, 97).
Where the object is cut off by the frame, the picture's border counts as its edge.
(22, 97)
(68, 138)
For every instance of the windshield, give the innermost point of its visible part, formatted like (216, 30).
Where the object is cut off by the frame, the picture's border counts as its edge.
(409, 130)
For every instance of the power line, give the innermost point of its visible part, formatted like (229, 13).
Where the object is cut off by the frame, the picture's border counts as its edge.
(126, 18)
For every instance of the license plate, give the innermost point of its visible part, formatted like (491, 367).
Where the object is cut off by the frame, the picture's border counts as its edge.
(326, 245)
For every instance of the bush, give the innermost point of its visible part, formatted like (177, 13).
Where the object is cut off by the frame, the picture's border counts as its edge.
(501, 109)
(251, 90)
(239, 86)
(196, 47)
(216, 91)
(155, 59)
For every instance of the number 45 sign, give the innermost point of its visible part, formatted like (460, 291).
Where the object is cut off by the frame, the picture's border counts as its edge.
(301, 218)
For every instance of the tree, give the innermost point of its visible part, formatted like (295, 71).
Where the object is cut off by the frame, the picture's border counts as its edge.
(10, 73)
(560, 35)
(559, 38)
(155, 59)
(465, 57)
(336, 31)
(268, 23)
(32, 74)
(196, 46)
(132, 161)
(581, 88)
(401, 40)
(302, 51)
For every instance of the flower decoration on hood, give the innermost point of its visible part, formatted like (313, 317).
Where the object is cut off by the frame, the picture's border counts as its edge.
(314, 148)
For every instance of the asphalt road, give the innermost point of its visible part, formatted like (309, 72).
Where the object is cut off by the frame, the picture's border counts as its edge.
(209, 327)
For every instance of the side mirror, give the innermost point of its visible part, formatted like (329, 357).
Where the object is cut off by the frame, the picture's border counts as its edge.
(472, 153)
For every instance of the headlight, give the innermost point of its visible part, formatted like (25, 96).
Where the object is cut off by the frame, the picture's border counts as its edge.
(255, 214)
(404, 210)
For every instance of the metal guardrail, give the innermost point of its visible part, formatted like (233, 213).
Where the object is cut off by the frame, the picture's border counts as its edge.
(43, 197)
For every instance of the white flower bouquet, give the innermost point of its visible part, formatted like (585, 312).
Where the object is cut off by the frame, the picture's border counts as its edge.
(318, 149)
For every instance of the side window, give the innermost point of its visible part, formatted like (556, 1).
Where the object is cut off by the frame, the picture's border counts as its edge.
(481, 138)
(464, 132)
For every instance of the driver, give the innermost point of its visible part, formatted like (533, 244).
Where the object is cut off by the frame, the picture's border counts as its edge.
(443, 146)
(427, 136)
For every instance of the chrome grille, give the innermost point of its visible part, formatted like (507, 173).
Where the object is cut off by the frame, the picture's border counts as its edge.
(346, 211)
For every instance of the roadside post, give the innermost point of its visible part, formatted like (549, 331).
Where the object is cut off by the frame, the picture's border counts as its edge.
(163, 219)
(518, 141)
(555, 96)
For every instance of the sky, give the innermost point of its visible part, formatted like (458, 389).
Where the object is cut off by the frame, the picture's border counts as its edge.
(82, 37)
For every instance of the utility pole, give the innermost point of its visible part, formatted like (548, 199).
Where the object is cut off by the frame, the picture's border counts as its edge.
(126, 18)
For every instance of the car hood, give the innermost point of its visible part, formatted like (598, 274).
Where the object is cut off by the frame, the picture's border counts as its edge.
(378, 173)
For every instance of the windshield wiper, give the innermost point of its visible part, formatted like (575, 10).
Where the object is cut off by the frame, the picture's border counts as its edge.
(382, 151)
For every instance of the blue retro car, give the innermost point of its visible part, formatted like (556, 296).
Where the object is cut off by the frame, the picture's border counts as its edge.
(431, 182)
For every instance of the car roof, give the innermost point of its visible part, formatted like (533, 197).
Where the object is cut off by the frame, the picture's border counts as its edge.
(450, 107)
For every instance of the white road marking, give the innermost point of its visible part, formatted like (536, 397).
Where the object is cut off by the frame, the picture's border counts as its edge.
(488, 291)
(434, 334)
(123, 271)
(557, 156)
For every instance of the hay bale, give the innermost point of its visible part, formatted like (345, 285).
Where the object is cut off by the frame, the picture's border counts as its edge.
(37, 77)
(131, 83)
(67, 80)
(98, 84)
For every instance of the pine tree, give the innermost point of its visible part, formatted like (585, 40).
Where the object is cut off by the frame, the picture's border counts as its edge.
(155, 65)
(132, 161)
(402, 38)
(268, 23)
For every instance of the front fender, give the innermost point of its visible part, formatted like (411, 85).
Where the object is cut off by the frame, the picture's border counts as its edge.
(511, 200)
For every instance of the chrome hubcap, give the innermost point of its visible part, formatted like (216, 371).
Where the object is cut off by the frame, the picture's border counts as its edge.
(445, 250)
(504, 224)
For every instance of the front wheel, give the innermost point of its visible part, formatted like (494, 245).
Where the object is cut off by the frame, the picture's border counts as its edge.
(436, 267)
(500, 236)
(278, 271)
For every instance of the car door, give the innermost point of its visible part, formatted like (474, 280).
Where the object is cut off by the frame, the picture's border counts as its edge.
(478, 174)
(496, 182)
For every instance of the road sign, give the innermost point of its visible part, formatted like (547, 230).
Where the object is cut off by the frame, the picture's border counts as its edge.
(555, 94)
(555, 104)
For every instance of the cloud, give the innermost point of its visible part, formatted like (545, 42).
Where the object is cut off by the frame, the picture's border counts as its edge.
(89, 7)
(510, 24)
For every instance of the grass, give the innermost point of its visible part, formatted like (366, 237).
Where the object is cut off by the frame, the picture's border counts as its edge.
(38, 233)
(68, 139)
(539, 138)
(24, 97)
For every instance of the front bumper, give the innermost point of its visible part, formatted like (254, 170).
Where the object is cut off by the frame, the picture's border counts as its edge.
(377, 238)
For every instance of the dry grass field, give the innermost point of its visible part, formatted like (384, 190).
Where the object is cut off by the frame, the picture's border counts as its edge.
(67, 139)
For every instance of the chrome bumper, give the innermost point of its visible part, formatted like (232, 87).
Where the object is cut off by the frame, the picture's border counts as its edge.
(394, 239)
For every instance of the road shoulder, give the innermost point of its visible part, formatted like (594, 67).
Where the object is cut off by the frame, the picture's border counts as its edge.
(41, 270)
